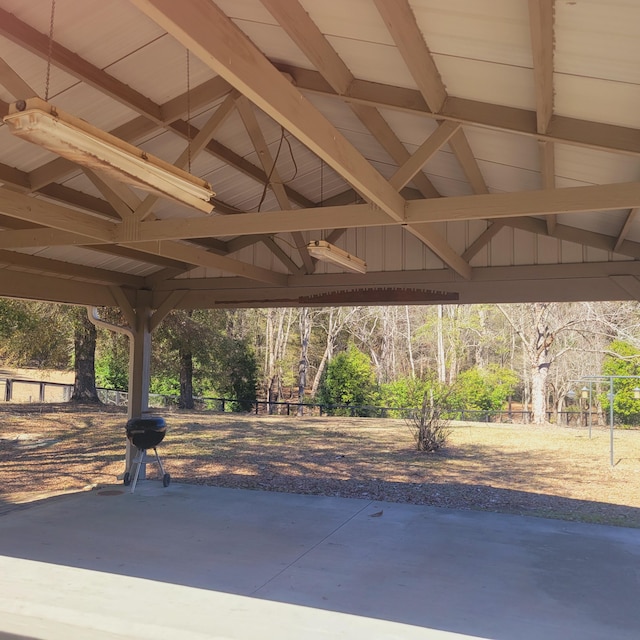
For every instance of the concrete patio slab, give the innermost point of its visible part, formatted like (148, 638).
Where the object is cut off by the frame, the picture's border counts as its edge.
(203, 562)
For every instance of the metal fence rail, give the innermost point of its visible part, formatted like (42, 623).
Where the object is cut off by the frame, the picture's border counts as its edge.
(21, 390)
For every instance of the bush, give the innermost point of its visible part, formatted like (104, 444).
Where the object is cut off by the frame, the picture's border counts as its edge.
(404, 393)
(429, 426)
(484, 389)
(624, 360)
(348, 379)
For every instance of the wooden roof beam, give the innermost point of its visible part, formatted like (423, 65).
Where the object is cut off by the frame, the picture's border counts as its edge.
(541, 28)
(269, 166)
(215, 39)
(584, 133)
(303, 31)
(401, 23)
(606, 197)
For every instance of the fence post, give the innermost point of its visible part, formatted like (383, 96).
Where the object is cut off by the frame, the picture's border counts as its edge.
(8, 391)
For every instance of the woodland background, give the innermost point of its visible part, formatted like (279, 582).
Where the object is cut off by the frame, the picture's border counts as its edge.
(480, 357)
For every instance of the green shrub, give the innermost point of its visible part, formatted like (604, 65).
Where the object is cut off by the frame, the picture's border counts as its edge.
(348, 379)
(484, 389)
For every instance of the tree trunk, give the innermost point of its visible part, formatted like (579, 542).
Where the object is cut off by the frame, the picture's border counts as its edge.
(442, 371)
(84, 386)
(303, 365)
(185, 401)
(541, 361)
(538, 392)
(412, 363)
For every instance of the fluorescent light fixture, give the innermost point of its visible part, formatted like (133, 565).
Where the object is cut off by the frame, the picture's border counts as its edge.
(322, 250)
(41, 123)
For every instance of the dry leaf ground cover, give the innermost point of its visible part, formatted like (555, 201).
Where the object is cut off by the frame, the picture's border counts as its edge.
(544, 471)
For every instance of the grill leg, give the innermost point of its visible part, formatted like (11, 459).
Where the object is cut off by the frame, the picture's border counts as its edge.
(137, 463)
(158, 460)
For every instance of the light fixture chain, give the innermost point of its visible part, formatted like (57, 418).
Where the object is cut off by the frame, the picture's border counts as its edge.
(50, 52)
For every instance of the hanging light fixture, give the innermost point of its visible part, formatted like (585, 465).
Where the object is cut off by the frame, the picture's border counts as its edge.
(74, 139)
(322, 250)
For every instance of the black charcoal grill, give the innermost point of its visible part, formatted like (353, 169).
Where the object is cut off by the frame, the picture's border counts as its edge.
(145, 433)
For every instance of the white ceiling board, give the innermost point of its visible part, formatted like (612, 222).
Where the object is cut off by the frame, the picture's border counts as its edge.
(33, 70)
(489, 30)
(504, 148)
(247, 10)
(598, 39)
(139, 70)
(592, 166)
(368, 146)
(274, 43)
(597, 100)
(336, 18)
(501, 84)
(608, 223)
(449, 187)
(374, 62)
(408, 127)
(445, 165)
(234, 136)
(337, 111)
(83, 101)
(116, 25)
(502, 177)
(21, 154)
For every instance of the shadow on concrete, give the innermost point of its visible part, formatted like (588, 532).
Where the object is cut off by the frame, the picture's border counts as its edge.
(482, 574)
(353, 540)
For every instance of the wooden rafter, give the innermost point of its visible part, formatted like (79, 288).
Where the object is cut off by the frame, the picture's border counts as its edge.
(22, 207)
(269, 166)
(14, 83)
(574, 131)
(624, 232)
(213, 37)
(303, 31)
(59, 267)
(402, 26)
(199, 257)
(576, 200)
(541, 28)
(401, 23)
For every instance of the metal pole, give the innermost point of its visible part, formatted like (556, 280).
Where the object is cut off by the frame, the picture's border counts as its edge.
(611, 420)
(590, 410)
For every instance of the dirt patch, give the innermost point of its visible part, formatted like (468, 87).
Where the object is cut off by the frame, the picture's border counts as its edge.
(545, 471)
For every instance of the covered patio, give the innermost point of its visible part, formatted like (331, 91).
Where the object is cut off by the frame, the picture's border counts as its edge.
(439, 152)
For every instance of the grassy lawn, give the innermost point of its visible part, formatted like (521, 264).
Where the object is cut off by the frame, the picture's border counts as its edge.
(544, 471)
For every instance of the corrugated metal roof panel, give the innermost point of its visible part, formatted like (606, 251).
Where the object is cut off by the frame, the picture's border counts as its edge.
(489, 30)
(502, 84)
(166, 54)
(598, 40)
(597, 100)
